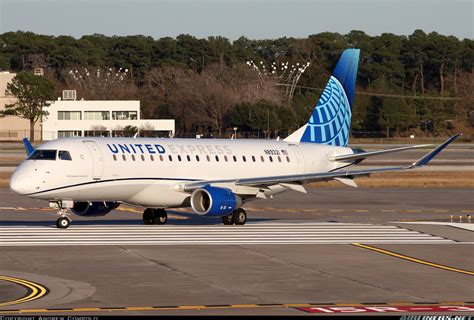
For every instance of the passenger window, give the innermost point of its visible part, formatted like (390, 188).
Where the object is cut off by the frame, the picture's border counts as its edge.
(197, 158)
(143, 157)
(188, 157)
(152, 158)
(133, 157)
(235, 158)
(253, 158)
(287, 159)
(64, 155)
(43, 155)
(225, 158)
(279, 159)
(161, 157)
(179, 158)
(262, 158)
(217, 158)
(115, 157)
(170, 158)
(243, 158)
(124, 158)
(208, 159)
(271, 159)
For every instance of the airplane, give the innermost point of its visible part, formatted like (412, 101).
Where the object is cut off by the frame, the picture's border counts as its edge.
(215, 177)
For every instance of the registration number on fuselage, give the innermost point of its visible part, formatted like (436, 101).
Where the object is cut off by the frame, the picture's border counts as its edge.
(272, 152)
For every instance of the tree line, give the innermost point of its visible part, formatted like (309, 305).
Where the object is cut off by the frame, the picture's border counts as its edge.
(420, 82)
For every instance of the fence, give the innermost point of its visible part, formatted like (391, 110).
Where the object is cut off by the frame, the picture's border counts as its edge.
(355, 137)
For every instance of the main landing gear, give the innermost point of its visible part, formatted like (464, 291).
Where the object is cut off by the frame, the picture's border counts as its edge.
(238, 217)
(155, 216)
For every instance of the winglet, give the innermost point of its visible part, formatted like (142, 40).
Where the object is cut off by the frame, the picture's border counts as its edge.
(28, 147)
(427, 158)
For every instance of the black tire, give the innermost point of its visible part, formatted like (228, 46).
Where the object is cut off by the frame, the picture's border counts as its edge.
(160, 216)
(228, 220)
(148, 216)
(63, 223)
(239, 216)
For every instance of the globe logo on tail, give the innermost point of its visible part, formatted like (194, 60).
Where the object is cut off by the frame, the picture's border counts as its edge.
(331, 118)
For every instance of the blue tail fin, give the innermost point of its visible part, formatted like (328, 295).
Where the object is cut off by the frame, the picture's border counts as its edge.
(331, 118)
(28, 147)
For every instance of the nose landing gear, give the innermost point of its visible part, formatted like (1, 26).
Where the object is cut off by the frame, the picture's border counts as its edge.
(64, 221)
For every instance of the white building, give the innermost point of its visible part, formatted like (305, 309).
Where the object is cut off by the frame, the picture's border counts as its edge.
(71, 118)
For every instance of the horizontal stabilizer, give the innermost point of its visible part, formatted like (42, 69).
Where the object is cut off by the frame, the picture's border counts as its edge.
(363, 155)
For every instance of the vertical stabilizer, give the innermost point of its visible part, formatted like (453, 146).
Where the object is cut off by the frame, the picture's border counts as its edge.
(331, 118)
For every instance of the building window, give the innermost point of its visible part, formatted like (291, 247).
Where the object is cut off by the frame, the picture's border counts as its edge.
(69, 115)
(124, 115)
(68, 134)
(96, 115)
(96, 133)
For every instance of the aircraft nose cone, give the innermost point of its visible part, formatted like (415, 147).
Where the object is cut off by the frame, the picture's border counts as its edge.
(19, 182)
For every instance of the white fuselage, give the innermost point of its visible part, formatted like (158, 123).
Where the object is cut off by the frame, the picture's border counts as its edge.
(146, 172)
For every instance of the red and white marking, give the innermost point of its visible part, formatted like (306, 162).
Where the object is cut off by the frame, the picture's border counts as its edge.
(383, 309)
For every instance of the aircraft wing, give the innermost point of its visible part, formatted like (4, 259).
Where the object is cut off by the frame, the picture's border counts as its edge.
(299, 179)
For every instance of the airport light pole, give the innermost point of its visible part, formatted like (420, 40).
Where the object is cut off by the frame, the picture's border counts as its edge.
(280, 74)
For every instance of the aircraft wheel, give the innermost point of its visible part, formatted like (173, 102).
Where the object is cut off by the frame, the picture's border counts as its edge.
(148, 216)
(228, 220)
(63, 223)
(160, 216)
(239, 216)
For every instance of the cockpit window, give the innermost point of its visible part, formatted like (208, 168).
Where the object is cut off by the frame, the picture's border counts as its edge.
(43, 155)
(64, 155)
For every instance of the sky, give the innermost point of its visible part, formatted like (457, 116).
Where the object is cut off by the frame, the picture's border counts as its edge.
(257, 19)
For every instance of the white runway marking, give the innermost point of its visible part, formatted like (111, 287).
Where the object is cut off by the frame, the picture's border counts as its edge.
(257, 233)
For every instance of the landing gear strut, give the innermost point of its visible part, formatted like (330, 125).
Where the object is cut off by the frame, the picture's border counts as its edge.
(238, 217)
(155, 216)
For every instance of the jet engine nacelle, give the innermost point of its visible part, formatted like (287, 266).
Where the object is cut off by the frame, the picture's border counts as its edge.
(214, 202)
(93, 209)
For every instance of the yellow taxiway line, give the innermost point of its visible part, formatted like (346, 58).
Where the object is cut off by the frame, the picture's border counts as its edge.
(34, 290)
(401, 256)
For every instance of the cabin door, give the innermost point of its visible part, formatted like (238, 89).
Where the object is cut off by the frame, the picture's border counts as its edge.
(97, 160)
